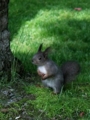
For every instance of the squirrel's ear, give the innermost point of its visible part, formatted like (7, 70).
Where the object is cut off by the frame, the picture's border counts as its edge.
(40, 47)
(47, 50)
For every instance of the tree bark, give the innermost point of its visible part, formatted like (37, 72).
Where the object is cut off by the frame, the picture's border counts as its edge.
(6, 56)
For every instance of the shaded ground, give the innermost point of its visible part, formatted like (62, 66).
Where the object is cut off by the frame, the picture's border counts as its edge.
(15, 105)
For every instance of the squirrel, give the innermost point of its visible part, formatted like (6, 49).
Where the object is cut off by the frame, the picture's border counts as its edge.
(51, 74)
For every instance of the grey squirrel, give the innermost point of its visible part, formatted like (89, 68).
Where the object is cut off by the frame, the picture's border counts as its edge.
(53, 76)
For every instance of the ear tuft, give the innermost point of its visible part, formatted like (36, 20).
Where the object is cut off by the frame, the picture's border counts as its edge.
(40, 47)
(47, 50)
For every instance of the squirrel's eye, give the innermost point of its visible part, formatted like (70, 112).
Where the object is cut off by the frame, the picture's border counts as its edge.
(40, 58)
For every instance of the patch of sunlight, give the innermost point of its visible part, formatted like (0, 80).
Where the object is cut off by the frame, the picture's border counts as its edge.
(41, 28)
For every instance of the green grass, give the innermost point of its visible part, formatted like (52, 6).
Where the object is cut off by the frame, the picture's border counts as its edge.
(55, 24)
(67, 104)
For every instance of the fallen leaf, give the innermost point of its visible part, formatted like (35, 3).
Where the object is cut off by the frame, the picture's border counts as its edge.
(81, 114)
(78, 9)
(4, 110)
(17, 117)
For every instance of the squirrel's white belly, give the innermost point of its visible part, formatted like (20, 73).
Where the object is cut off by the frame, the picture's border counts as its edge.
(42, 69)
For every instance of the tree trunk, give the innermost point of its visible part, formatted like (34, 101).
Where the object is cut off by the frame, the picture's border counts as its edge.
(6, 56)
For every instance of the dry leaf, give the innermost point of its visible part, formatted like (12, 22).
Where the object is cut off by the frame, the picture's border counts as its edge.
(78, 9)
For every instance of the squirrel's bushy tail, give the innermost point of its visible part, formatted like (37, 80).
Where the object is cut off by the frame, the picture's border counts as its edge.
(70, 70)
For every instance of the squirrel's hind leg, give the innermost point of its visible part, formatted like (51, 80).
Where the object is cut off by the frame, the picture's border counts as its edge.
(57, 89)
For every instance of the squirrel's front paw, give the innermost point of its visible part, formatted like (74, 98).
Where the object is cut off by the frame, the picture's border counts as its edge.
(40, 74)
(44, 77)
